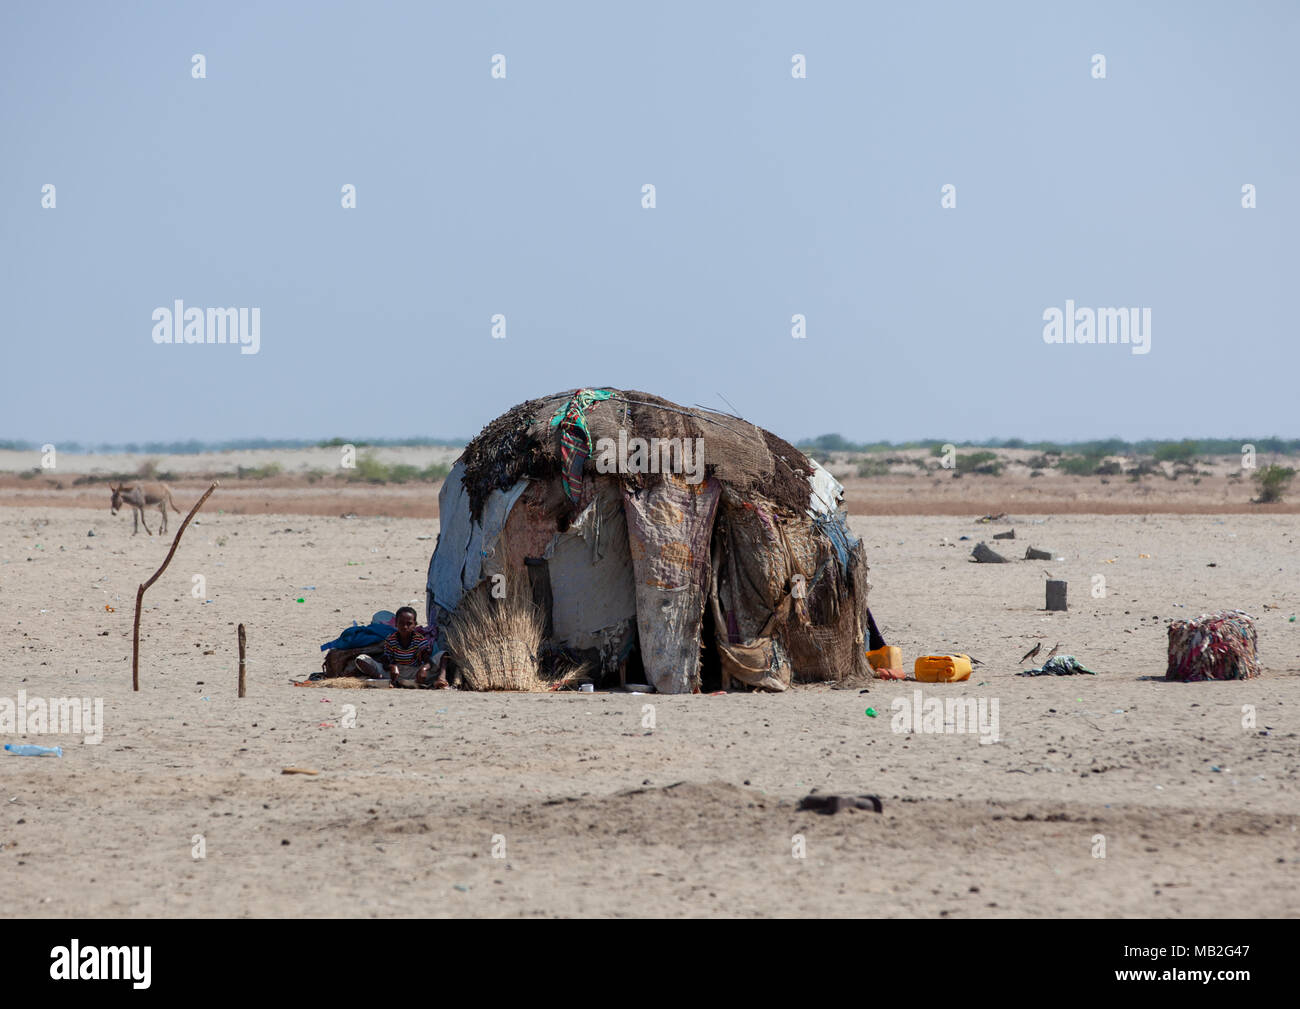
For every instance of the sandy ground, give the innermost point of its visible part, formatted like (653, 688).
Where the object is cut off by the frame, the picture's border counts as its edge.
(597, 813)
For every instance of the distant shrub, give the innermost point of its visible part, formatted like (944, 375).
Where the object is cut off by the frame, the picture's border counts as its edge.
(259, 472)
(371, 470)
(1109, 468)
(368, 470)
(979, 462)
(873, 468)
(1079, 465)
(402, 472)
(339, 442)
(1107, 446)
(1039, 462)
(1273, 480)
(148, 469)
(829, 443)
(1176, 451)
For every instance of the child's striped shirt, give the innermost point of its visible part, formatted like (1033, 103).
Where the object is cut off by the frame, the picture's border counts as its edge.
(397, 654)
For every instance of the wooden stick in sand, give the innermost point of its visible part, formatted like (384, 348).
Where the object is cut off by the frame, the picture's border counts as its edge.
(139, 595)
(241, 660)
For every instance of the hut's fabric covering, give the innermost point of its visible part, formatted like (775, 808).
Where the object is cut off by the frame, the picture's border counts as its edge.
(669, 525)
(1214, 646)
(790, 598)
(827, 492)
(593, 594)
(529, 529)
(750, 593)
(835, 528)
(463, 541)
(592, 598)
(825, 633)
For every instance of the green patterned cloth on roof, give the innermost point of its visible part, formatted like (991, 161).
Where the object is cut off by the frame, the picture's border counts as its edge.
(575, 438)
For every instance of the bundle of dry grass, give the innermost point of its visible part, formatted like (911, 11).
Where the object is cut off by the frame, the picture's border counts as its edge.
(341, 683)
(497, 643)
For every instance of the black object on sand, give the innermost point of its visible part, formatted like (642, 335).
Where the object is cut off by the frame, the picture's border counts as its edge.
(828, 805)
(983, 554)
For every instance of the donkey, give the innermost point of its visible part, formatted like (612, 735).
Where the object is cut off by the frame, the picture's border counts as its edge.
(139, 496)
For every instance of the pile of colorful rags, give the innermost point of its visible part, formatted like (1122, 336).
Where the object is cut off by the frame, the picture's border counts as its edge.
(1214, 646)
(1060, 665)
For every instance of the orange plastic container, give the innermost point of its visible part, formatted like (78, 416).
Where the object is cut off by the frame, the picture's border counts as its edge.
(888, 657)
(942, 668)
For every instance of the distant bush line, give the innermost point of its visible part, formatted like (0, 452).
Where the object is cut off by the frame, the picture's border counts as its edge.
(371, 470)
(367, 470)
(193, 447)
(1163, 451)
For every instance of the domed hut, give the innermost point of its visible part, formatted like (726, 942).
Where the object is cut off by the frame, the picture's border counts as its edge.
(683, 548)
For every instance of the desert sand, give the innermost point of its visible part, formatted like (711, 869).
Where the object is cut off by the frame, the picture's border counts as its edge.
(459, 804)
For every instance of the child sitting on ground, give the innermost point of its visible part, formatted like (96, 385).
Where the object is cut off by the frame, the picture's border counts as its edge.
(405, 649)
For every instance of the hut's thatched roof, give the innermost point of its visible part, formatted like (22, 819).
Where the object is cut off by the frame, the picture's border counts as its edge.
(522, 442)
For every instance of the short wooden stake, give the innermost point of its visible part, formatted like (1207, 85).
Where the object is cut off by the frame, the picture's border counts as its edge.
(241, 660)
(1056, 595)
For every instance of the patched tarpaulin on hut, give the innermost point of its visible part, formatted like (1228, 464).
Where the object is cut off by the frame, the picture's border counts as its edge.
(753, 571)
(827, 492)
(593, 593)
(529, 529)
(669, 525)
(750, 592)
(457, 562)
(790, 594)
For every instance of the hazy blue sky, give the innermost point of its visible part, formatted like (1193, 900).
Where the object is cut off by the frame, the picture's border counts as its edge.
(775, 196)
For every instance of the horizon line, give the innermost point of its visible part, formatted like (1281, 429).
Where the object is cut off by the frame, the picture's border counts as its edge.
(830, 442)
